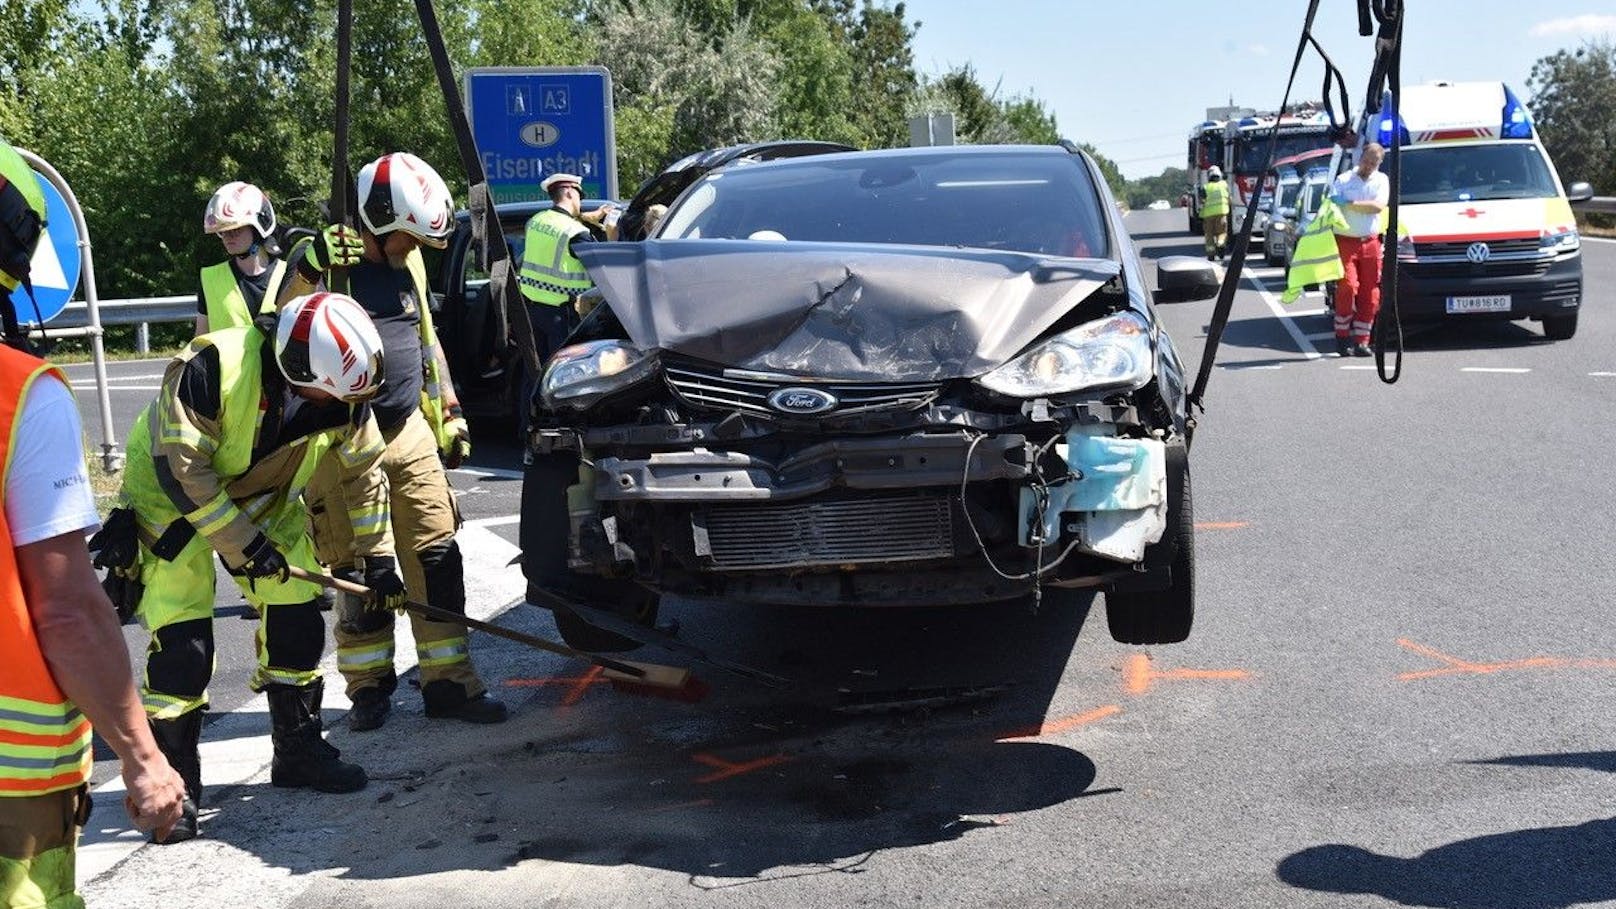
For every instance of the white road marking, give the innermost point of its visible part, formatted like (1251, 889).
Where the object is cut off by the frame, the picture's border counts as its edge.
(499, 472)
(235, 749)
(1603, 374)
(1507, 370)
(500, 521)
(1588, 239)
(1249, 366)
(1302, 343)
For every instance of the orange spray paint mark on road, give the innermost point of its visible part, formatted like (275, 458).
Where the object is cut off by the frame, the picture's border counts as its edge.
(726, 769)
(1064, 724)
(1138, 675)
(1456, 666)
(1222, 525)
(575, 685)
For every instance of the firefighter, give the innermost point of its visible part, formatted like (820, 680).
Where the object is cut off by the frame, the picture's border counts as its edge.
(237, 289)
(63, 665)
(552, 277)
(403, 205)
(218, 463)
(1215, 213)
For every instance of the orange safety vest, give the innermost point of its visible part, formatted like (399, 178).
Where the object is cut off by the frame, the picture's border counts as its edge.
(44, 739)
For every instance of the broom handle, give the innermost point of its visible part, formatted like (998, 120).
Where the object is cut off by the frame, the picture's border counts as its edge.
(444, 615)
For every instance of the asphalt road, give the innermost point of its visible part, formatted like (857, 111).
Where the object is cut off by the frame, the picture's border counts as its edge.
(1397, 693)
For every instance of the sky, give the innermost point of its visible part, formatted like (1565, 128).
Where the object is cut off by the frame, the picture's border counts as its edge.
(1133, 77)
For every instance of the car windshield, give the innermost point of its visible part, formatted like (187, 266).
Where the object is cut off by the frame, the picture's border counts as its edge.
(1313, 193)
(1290, 186)
(1020, 201)
(1461, 173)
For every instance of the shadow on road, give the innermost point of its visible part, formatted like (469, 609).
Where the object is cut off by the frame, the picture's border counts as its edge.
(751, 784)
(1545, 868)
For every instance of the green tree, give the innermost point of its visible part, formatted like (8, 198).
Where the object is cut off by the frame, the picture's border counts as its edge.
(1574, 102)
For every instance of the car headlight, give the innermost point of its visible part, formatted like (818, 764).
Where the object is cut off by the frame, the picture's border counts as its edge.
(1561, 242)
(1113, 352)
(1279, 226)
(581, 374)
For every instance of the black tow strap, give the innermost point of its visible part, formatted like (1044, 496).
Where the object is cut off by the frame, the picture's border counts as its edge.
(1388, 73)
(503, 294)
(1237, 254)
(337, 278)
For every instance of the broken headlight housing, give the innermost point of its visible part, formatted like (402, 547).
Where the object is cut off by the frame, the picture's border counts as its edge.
(1110, 353)
(582, 374)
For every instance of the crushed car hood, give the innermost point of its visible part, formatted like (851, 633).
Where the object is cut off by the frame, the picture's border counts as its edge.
(838, 310)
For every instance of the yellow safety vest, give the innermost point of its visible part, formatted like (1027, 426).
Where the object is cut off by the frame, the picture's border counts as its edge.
(44, 739)
(226, 307)
(1315, 259)
(1217, 200)
(14, 170)
(551, 274)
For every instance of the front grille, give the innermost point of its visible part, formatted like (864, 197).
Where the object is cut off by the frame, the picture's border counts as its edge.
(710, 388)
(808, 534)
(1494, 269)
(1461, 247)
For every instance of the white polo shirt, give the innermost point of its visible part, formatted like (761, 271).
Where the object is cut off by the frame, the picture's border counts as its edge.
(48, 488)
(1349, 187)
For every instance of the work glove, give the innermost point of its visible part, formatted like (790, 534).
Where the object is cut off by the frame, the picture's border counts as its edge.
(386, 587)
(264, 561)
(460, 445)
(338, 246)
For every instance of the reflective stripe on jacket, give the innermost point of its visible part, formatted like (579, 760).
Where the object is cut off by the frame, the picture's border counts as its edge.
(1217, 200)
(207, 467)
(551, 274)
(221, 291)
(44, 739)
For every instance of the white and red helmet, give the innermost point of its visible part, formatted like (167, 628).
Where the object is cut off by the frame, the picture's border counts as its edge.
(327, 342)
(401, 192)
(239, 204)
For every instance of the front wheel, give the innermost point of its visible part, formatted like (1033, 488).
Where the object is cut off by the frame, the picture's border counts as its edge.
(1560, 328)
(622, 598)
(1163, 616)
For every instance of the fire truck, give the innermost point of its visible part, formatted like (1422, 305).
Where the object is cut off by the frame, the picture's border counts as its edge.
(1238, 146)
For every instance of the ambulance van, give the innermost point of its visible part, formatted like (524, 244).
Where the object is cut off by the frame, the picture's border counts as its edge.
(1488, 231)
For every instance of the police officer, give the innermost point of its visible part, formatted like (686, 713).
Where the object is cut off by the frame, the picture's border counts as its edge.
(235, 290)
(218, 462)
(552, 277)
(403, 205)
(1215, 213)
(62, 657)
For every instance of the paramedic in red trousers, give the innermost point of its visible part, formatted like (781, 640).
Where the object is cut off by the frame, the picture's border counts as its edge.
(1362, 195)
(63, 664)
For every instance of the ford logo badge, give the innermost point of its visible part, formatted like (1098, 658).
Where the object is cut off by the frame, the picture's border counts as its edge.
(802, 401)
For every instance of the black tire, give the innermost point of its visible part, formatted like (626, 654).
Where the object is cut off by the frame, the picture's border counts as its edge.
(1268, 255)
(1196, 227)
(1163, 616)
(622, 598)
(1560, 328)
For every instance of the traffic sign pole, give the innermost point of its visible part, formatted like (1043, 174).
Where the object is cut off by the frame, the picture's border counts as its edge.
(111, 457)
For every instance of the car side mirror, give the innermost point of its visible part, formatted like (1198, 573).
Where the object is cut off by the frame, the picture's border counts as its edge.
(1182, 279)
(1579, 192)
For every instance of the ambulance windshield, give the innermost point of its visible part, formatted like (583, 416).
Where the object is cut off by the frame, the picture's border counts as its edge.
(1463, 173)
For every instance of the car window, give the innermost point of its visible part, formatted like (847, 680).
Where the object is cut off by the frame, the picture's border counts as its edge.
(1460, 173)
(474, 274)
(1025, 202)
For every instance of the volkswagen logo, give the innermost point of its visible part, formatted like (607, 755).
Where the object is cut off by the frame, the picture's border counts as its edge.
(1478, 252)
(802, 401)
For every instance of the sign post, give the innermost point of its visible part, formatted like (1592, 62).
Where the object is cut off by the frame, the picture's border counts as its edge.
(533, 121)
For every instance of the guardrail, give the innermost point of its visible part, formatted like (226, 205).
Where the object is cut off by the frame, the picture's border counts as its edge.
(1605, 205)
(140, 312)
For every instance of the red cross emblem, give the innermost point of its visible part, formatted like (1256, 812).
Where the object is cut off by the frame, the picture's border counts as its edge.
(1472, 213)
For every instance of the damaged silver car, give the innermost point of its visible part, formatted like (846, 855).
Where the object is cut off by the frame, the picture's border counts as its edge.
(909, 377)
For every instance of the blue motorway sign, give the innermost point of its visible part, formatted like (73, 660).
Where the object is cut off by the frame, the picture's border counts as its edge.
(55, 267)
(530, 122)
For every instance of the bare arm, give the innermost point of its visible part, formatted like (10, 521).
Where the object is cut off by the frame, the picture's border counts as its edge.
(78, 632)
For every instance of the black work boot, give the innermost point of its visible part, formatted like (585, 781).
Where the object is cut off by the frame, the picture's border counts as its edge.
(448, 700)
(371, 704)
(178, 739)
(304, 760)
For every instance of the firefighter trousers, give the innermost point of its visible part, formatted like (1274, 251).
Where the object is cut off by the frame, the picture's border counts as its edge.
(38, 845)
(424, 524)
(177, 609)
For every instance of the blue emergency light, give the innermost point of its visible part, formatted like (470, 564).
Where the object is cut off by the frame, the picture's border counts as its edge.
(1517, 122)
(1392, 128)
